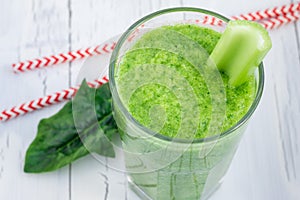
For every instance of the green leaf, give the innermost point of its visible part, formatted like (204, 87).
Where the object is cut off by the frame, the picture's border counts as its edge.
(80, 127)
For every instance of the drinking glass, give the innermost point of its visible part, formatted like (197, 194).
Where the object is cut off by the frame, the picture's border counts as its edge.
(160, 167)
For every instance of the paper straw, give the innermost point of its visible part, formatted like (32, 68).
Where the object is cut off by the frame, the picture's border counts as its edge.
(280, 20)
(63, 57)
(46, 101)
(270, 12)
(269, 24)
(269, 18)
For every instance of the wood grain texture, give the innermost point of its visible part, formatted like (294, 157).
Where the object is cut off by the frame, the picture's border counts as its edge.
(266, 165)
(35, 29)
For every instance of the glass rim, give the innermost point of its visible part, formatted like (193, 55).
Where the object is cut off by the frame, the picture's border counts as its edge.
(116, 98)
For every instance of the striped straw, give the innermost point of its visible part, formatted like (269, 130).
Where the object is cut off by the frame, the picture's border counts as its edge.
(270, 12)
(63, 57)
(278, 21)
(46, 101)
(269, 18)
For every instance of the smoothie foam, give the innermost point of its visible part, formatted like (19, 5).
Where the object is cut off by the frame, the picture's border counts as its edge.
(143, 99)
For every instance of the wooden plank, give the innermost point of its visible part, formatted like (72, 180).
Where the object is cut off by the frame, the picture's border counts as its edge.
(285, 72)
(92, 23)
(36, 29)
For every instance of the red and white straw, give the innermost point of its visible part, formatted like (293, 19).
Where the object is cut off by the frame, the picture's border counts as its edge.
(63, 57)
(278, 21)
(269, 18)
(269, 24)
(46, 101)
(270, 12)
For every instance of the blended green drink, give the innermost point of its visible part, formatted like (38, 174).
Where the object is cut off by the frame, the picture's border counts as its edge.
(180, 118)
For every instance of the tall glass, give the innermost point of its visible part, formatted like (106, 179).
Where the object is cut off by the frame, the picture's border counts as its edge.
(160, 167)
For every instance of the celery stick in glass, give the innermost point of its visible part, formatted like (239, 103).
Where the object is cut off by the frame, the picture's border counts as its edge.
(241, 49)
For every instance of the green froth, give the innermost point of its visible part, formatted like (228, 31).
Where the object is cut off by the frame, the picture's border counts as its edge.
(144, 99)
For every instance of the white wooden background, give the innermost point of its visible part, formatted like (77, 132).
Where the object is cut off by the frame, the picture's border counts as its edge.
(267, 164)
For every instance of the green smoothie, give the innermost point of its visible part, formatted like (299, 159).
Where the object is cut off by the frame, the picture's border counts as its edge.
(238, 99)
(177, 107)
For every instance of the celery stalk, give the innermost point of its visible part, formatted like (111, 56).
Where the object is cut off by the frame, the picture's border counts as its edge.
(240, 49)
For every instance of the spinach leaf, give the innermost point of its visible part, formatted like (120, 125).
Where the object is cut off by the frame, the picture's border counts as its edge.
(82, 126)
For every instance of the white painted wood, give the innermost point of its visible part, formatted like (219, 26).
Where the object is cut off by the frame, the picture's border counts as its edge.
(267, 163)
(34, 29)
